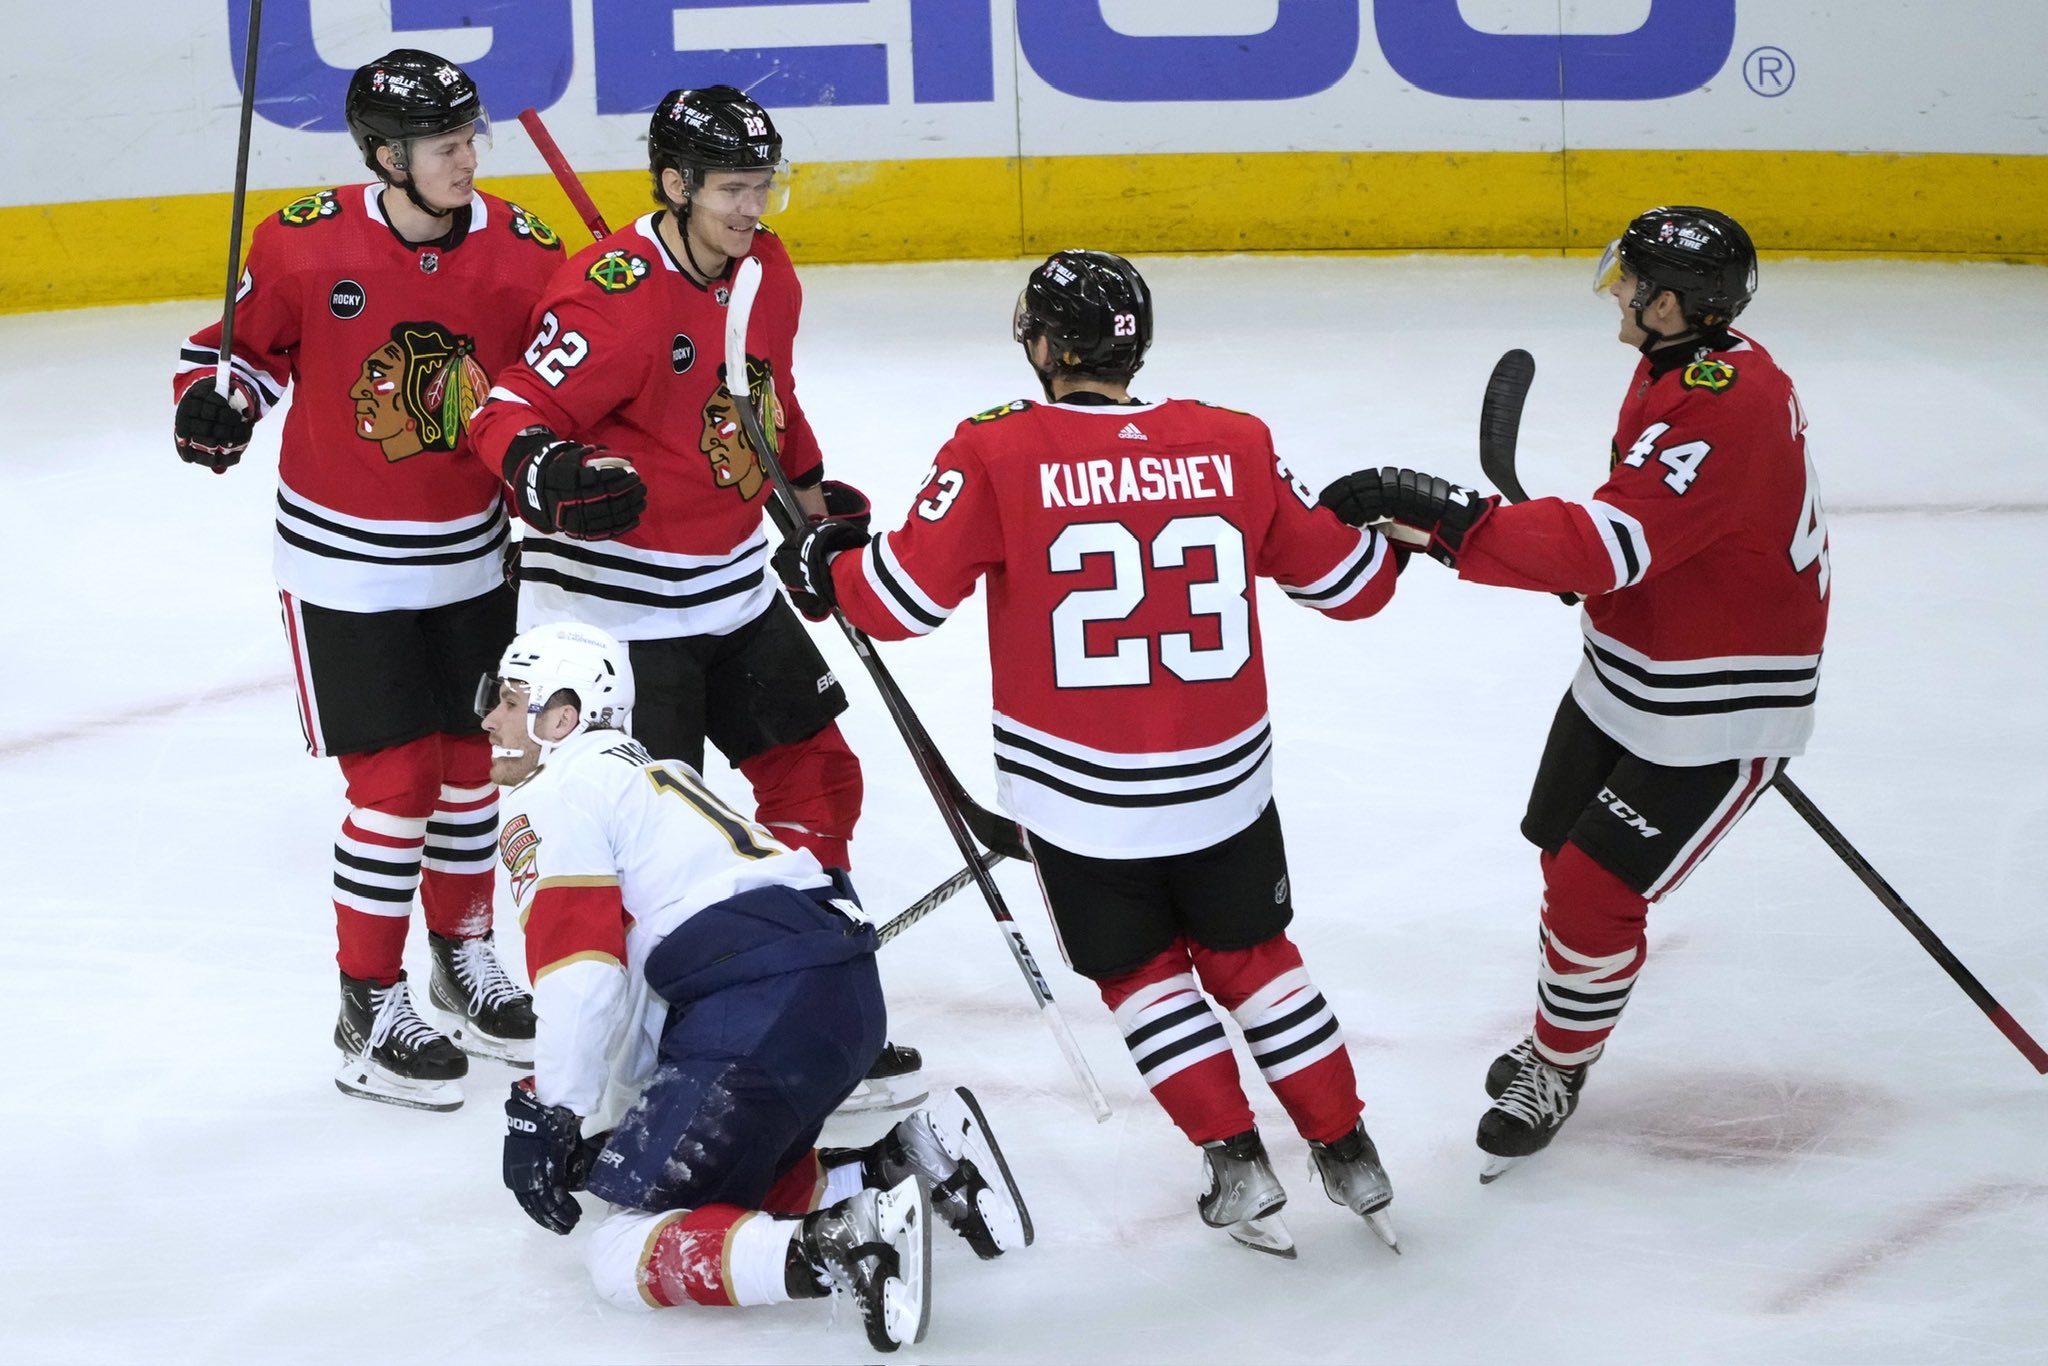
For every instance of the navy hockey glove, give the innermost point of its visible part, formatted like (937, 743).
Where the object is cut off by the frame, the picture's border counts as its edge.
(1428, 513)
(804, 563)
(571, 489)
(211, 430)
(546, 1158)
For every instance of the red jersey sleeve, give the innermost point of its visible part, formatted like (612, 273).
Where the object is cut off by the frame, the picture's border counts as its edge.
(266, 328)
(906, 582)
(1344, 572)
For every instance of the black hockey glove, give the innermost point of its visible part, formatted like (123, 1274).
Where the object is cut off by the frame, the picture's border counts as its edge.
(805, 563)
(546, 1158)
(1428, 513)
(571, 489)
(845, 503)
(211, 430)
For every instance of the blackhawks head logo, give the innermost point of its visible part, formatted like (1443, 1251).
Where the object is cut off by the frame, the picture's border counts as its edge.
(724, 443)
(418, 391)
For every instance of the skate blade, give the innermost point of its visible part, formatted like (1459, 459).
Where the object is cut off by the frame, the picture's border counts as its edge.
(366, 1080)
(1266, 1234)
(904, 1215)
(880, 1096)
(963, 1130)
(478, 1043)
(1383, 1229)
(1496, 1167)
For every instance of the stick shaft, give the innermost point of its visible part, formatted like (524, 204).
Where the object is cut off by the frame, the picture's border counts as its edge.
(565, 174)
(227, 308)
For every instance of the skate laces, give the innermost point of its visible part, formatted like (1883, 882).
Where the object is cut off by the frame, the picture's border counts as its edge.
(397, 1019)
(481, 974)
(1538, 1095)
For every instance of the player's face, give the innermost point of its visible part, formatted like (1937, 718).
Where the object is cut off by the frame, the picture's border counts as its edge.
(514, 753)
(1623, 290)
(443, 167)
(729, 204)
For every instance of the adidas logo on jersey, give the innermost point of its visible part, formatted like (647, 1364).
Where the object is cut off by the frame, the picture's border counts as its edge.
(1131, 433)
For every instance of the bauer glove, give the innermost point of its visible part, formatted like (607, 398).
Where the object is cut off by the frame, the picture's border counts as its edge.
(211, 430)
(804, 563)
(1428, 513)
(566, 488)
(546, 1158)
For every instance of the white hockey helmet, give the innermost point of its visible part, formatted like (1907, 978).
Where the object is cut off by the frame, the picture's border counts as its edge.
(569, 655)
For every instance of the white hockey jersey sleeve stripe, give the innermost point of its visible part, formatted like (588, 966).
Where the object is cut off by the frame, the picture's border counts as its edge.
(1344, 582)
(1626, 545)
(907, 602)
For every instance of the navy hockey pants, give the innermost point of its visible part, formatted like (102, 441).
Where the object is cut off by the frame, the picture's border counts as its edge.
(776, 1014)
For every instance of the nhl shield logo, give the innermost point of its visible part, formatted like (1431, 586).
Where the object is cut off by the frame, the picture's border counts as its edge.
(430, 261)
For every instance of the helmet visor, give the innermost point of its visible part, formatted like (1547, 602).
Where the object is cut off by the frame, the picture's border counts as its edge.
(1020, 320)
(755, 192)
(490, 691)
(1610, 268)
(434, 153)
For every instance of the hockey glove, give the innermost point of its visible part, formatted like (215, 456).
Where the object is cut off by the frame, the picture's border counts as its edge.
(1427, 512)
(211, 430)
(545, 1158)
(805, 564)
(845, 503)
(570, 489)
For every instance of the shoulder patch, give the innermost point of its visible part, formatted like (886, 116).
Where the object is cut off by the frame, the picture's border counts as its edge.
(1711, 375)
(526, 223)
(615, 272)
(311, 209)
(1001, 410)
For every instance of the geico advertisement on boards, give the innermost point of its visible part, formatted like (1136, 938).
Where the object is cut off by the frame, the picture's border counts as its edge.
(884, 80)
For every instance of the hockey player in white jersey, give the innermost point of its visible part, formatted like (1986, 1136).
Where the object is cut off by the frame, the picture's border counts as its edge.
(713, 989)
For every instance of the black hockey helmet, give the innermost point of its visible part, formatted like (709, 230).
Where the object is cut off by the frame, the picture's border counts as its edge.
(715, 128)
(1701, 255)
(407, 94)
(1094, 308)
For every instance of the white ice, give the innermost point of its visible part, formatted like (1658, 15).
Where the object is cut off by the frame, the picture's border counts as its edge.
(1805, 1145)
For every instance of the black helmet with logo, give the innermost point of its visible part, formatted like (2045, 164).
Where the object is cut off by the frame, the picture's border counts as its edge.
(1093, 307)
(408, 94)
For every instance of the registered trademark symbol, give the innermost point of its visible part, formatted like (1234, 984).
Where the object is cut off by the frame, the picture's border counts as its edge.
(1768, 71)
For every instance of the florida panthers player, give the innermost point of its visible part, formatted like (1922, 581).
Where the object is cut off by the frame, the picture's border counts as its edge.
(713, 983)
(1119, 540)
(1704, 563)
(388, 307)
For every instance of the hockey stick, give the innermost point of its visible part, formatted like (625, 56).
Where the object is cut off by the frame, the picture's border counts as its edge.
(565, 175)
(931, 766)
(1915, 926)
(225, 363)
(1500, 417)
(932, 900)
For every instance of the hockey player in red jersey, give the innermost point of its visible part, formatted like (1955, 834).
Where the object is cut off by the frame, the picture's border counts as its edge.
(1704, 564)
(1119, 540)
(388, 307)
(709, 988)
(626, 359)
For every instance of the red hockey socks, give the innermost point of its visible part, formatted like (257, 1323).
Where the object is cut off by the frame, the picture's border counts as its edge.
(1293, 1034)
(1177, 1040)
(808, 794)
(391, 794)
(1593, 948)
(461, 840)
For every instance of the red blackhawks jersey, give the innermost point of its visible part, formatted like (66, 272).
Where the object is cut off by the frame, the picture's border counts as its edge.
(1119, 544)
(630, 355)
(389, 347)
(1704, 558)
(607, 851)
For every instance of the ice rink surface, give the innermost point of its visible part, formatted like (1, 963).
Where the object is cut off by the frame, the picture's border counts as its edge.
(1805, 1145)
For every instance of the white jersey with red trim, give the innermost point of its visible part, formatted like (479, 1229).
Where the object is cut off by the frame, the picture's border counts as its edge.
(389, 347)
(630, 355)
(1119, 543)
(608, 850)
(1704, 557)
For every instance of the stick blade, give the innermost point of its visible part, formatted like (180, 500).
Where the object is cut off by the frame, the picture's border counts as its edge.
(1500, 420)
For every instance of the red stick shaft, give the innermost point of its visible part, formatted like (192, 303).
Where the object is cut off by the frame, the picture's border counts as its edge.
(565, 174)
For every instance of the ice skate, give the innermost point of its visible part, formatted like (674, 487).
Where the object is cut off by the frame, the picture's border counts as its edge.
(895, 1082)
(952, 1148)
(876, 1247)
(390, 1054)
(490, 1017)
(1502, 1069)
(1244, 1197)
(1528, 1113)
(1353, 1177)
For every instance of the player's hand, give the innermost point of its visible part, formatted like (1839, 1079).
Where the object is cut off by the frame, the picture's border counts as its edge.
(1424, 511)
(570, 489)
(845, 503)
(804, 563)
(545, 1158)
(211, 430)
